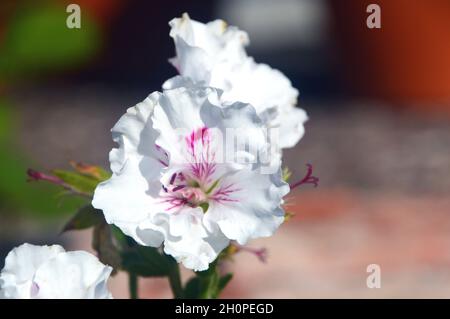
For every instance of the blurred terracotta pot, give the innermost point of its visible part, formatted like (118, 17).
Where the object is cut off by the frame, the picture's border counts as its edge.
(407, 60)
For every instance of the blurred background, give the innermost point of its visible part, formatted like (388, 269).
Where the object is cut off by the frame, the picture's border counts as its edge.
(378, 135)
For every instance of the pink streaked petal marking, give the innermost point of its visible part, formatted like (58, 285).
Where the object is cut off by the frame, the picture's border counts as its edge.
(174, 201)
(222, 194)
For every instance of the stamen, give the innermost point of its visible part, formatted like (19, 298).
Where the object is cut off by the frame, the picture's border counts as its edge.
(177, 188)
(308, 179)
(260, 253)
(163, 163)
(165, 155)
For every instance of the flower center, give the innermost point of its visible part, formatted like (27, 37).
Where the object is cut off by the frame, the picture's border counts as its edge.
(197, 184)
(183, 191)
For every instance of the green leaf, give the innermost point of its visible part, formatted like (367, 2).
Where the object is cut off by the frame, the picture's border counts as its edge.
(147, 262)
(36, 200)
(79, 182)
(86, 217)
(192, 290)
(103, 175)
(119, 236)
(208, 272)
(207, 284)
(210, 286)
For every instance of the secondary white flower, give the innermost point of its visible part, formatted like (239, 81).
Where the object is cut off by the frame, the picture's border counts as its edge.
(49, 272)
(177, 180)
(201, 47)
(214, 55)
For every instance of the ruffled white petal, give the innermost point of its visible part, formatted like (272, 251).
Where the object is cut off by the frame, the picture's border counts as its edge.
(214, 55)
(291, 124)
(21, 264)
(185, 238)
(259, 85)
(132, 128)
(253, 210)
(177, 115)
(72, 275)
(190, 243)
(131, 196)
(42, 272)
(201, 46)
(184, 110)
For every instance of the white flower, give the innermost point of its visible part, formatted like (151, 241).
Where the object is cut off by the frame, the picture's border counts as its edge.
(49, 272)
(176, 181)
(201, 47)
(214, 55)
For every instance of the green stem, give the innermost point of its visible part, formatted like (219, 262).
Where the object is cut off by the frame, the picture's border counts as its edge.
(211, 281)
(175, 282)
(133, 285)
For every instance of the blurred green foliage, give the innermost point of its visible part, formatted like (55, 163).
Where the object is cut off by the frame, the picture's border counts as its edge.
(37, 40)
(16, 194)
